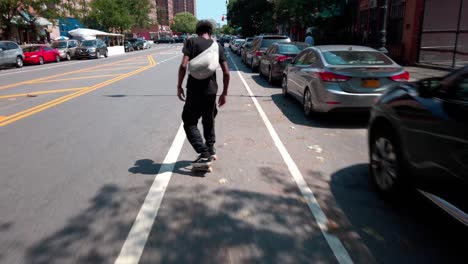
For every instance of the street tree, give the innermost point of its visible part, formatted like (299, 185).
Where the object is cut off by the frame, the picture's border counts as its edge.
(110, 15)
(184, 22)
(252, 16)
(139, 11)
(10, 11)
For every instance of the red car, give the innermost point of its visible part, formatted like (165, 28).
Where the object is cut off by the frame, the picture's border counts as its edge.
(39, 54)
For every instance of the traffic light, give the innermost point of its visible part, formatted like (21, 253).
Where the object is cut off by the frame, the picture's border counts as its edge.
(222, 18)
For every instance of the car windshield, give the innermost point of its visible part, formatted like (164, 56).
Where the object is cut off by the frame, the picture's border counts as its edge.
(31, 49)
(346, 57)
(88, 43)
(59, 45)
(268, 41)
(289, 49)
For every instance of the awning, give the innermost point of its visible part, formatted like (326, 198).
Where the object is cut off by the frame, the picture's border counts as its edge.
(40, 21)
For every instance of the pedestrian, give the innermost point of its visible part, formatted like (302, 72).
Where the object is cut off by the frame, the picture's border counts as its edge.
(309, 39)
(200, 101)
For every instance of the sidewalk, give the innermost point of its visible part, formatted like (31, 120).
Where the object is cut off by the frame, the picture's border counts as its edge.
(418, 73)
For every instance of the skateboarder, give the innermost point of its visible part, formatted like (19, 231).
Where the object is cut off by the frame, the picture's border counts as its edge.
(200, 101)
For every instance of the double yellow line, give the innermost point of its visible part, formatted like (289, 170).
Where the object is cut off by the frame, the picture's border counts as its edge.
(31, 111)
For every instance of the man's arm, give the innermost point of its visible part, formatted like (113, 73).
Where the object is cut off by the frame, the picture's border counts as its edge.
(182, 72)
(226, 78)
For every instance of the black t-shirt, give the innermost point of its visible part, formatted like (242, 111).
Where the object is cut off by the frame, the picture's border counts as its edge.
(192, 48)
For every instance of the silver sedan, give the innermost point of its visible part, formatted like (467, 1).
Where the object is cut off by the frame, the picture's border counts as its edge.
(339, 77)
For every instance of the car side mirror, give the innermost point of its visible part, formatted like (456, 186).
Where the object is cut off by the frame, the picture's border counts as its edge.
(428, 88)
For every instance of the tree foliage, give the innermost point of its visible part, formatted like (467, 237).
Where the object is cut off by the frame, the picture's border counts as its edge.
(252, 16)
(121, 15)
(184, 22)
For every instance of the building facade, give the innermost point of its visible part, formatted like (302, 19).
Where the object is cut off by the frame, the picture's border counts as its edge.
(185, 6)
(165, 11)
(429, 32)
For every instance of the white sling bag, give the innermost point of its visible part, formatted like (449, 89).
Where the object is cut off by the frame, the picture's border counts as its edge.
(205, 64)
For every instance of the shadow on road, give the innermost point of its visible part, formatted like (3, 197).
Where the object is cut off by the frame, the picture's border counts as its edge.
(292, 109)
(413, 231)
(148, 167)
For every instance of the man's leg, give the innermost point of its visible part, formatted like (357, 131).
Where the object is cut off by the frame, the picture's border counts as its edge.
(208, 120)
(191, 114)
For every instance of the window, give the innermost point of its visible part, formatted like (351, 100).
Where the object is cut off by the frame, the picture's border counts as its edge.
(344, 57)
(300, 58)
(12, 46)
(461, 90)
(47, 48)
(310, 59)
(3, 46)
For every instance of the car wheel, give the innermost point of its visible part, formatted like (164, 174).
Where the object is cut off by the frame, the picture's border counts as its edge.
(307, 103)
(19, 62)
(106, 54)
(57, 58)
(284, 86)
(68, 57)
(386, 162)
(98, 55)
(41, 60)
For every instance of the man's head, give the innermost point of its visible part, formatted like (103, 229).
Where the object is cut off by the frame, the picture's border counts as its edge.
(204, 26)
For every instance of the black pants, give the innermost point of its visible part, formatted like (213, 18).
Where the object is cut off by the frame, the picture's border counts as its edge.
(196, 106)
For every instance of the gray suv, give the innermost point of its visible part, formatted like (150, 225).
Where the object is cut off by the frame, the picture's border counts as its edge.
(11, 54)
(66, 48)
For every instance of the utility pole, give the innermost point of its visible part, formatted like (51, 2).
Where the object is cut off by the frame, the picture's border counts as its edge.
(383, 26)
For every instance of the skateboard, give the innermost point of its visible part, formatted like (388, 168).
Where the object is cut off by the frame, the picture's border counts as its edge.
(204, 168)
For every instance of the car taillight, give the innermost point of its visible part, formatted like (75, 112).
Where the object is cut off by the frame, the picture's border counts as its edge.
(282, 58)
(332, 77)
(403, 77)
(259, 53)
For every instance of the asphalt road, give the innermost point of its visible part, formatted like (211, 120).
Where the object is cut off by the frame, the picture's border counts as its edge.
(94, 169)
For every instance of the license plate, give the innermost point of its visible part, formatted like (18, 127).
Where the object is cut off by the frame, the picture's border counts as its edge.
(370, 83)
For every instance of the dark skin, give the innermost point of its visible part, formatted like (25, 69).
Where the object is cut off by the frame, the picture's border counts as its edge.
(183, 71)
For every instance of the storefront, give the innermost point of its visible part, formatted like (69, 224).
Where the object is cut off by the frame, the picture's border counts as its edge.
(444, 34)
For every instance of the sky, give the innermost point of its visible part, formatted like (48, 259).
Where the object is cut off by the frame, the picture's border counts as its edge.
(214, 9)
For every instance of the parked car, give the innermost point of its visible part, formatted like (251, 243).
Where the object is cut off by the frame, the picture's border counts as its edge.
(246, 46)
(66, 48)
(92, 49)
(128, 46)
(11, 54)
(180, 39)
(40, 54)
(275, 59)
(139, 44)
(146, 44)
(165, 40)
(259, 45)
(418, 138)
(340, 77)
(236, 44)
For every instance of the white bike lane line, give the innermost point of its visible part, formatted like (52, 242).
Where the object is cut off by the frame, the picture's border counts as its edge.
(333, 241)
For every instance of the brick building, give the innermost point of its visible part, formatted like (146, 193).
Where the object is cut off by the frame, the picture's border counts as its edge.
(185, 6)
(430, 32)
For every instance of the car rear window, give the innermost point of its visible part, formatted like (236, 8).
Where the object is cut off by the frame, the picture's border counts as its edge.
(31, 49)
(289, 49)
(356, 58)
(267, 42)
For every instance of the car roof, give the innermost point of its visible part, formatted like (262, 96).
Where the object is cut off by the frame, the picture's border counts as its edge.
(343, 48)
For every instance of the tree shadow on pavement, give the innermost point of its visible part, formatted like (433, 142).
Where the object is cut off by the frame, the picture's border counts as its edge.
(412, 231)
(292, 109)
(195, 224)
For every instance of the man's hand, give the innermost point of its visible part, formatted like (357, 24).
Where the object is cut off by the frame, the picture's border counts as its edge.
(181, 93)
(222, 100)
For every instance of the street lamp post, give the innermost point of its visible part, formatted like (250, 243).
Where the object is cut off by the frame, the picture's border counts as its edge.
(383, 26)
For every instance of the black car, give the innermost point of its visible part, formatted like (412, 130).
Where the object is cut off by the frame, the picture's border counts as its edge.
(128, 46)
(418, 137)
(259, 45)
(92, 49)
(139, 44)
(275, 59)
(165, 40)
(180, 39)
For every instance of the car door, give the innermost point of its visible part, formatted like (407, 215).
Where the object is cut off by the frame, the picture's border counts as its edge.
(435, 133)
(263, 67)
(11, 52)
(49, 54)
(305, 78)
(3, 53)
(293, 74)
(72, 45)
